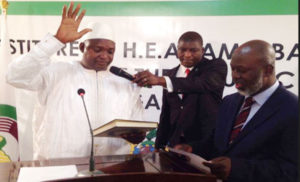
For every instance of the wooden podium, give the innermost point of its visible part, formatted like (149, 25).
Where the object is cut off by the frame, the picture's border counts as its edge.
(151, 167)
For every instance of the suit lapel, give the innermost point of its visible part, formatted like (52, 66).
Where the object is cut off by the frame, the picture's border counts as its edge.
(172, 73)
(199, 67)
(267, 110)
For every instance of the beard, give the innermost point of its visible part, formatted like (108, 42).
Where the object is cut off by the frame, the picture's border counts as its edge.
(254, 86)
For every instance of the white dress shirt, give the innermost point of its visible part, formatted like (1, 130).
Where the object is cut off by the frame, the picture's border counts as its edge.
(260, 99)
(180, 74)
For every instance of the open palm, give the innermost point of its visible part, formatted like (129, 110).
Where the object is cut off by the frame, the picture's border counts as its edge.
(68, 29)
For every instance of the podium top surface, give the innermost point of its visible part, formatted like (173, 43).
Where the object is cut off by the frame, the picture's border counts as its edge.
(159, 166)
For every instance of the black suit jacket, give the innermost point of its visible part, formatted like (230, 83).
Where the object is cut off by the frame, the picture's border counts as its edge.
(193, 117)
(267, 148)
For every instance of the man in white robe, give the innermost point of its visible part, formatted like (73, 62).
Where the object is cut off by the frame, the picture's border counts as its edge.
(60, 125)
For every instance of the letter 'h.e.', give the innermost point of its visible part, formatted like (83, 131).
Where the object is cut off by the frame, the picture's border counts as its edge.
(91, 171)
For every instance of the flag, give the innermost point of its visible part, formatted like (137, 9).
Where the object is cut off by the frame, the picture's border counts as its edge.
(9, 148)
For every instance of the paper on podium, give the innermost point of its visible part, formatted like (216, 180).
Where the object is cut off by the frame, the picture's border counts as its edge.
(193, 159)
(34, 174)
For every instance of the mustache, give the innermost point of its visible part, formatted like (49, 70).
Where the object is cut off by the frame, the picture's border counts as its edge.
(237, 80)
(187, 59)
(102, 60)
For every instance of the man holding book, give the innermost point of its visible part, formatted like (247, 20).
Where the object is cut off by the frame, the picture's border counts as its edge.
(60, 126)
(256, 136)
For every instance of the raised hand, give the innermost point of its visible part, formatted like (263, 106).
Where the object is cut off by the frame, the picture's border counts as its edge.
(68, 29)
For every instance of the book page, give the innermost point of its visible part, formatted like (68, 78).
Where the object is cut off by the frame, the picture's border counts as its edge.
(35, 174)
(193, 159)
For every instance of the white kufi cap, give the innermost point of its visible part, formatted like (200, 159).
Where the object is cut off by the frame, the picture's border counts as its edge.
(99, 31)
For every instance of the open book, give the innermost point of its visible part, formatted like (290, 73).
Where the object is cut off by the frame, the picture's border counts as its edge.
(117, 127)
(193, 159)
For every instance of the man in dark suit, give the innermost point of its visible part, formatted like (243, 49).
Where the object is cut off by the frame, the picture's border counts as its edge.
(192, 93)
(258, 139)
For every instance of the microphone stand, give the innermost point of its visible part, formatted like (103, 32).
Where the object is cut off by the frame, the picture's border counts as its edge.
(91, 171)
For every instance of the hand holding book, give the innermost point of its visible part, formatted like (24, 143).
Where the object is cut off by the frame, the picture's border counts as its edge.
(134, 137)
(192, 159)
(220, 166)
(184, 147)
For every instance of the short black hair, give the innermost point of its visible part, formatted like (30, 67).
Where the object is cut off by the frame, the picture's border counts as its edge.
(191, 36)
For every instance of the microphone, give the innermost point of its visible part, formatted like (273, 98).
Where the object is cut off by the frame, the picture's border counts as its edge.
(91, 171)
(119, 72)
(81, 93)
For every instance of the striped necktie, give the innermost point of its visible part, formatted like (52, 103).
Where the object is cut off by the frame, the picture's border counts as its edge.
(241, 118)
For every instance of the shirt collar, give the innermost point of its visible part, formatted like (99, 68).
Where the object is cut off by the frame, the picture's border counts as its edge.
(91, 71)
(263, 96)
(183, 68)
